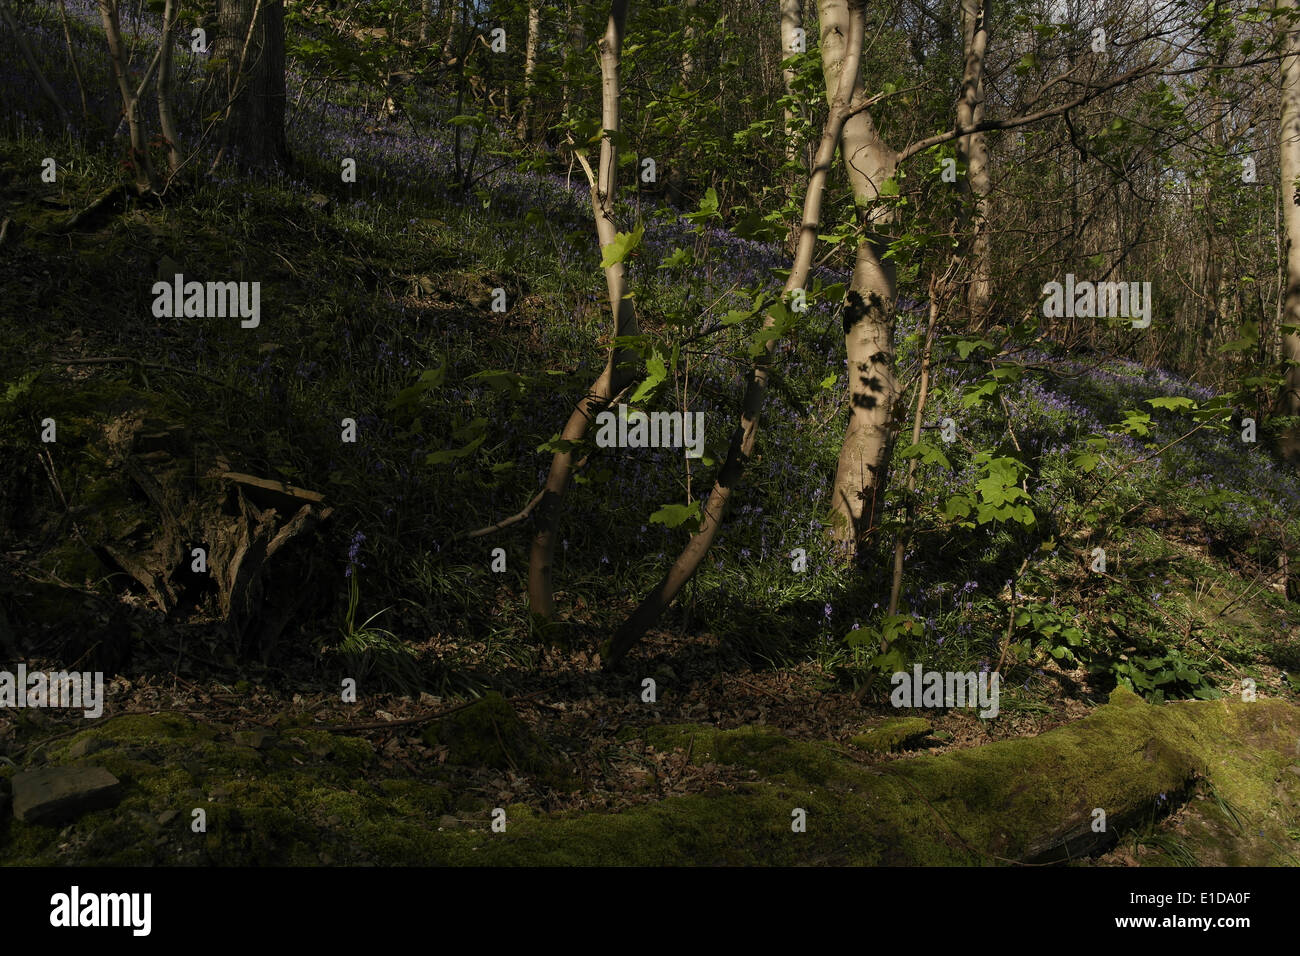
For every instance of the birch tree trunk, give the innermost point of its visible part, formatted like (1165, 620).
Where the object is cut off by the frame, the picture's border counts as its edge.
(743, 439)
(165, 118)
(140, 162)
(524, 127)
(863, 468)
(617, 375)
(973, 153)
(1289, 147)
(688, 52)
(791, 21)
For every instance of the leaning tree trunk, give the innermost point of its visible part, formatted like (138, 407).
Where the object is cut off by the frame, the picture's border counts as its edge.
(617, 374)
(25, 49)
(745, 435)
(165, 118)
(141, 164)
(863, 468)
(249, 48)
(972, 151)
(1289, 145)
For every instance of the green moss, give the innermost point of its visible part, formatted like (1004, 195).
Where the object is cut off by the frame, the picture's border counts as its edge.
(489, 733)
(308, 796)
(892, 733)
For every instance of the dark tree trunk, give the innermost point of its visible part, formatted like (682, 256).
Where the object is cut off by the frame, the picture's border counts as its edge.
(250, 85)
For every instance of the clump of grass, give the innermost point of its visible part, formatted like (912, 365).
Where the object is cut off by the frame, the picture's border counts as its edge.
(367, 651)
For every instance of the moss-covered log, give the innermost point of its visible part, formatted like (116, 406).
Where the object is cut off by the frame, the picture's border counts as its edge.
(307, 796)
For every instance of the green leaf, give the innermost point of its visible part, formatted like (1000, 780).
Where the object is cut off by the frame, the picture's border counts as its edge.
(470, 429)
(966, 346)
(656, 372)
(674, 516)
(928, 454)
(958, 506)
(451, 454)
(19, 388)
(621, 247)
(978, 393)
(708, 208)
(678, 258)
(1085, 461)
(1171, 402)
(429, 379)
(501, 380)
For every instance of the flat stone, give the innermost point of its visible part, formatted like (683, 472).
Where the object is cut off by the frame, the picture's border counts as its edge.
(167, 816)
(87, 746)
(61, 794)
(251, 738)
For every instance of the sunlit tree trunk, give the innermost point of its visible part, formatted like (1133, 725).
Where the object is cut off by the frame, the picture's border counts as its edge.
(745, 435)
(523, 128)
(972, 151)
(791, 23)
(863, 468)
(1289, 146)
(616, 375)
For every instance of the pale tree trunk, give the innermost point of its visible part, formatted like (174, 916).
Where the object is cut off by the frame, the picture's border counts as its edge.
(617, 375)
(140, 162)
(250, 48)
(165, 119)
(1289, 146)
(522, 130)
(688, 52)
(863, 468)
(743, 439)
(972, 151)
(449, 44)
(791, 20)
